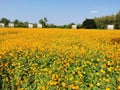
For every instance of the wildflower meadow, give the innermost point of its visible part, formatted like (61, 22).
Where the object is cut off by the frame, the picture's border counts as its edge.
(59, 59)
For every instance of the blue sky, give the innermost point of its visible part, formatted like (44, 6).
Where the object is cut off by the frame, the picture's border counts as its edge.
(57, 11)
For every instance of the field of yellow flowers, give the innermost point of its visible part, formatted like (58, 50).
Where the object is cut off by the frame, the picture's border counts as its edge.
(59, 59)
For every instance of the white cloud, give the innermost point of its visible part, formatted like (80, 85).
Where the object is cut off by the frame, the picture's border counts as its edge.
(94, 11)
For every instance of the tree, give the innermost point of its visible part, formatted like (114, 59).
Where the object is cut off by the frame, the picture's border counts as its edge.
(34, 25)
(70, 25)
(43, 22)
(5, 21)
(79, 26)
(20, 24)
(103, 21)
(26, 24)
(16, 22)
(51, 26)
(89, 24)
(117, 21)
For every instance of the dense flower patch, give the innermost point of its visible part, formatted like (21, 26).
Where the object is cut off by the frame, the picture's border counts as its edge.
(56, 59)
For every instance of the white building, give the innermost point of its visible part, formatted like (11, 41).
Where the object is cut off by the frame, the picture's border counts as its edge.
(11, 25)
(39, 25)
(30, 25)
(74, 26)
(110, 27)
(2, 25)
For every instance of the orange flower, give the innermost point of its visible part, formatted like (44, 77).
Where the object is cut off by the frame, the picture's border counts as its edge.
(63, 84)
(74, 87)
(0, 56)
(54, 77)
(118, 87)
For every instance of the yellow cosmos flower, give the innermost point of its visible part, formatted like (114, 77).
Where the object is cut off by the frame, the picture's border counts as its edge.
(52, 83)
(6, 78)
(64, 84)
(74, 87)
(0, 56)
(118, 87)
(118, 79)
(97, 73)
(107, 88)
(11, 54)
(91, 85)
(107, 80)
(110, 69)
(98, 84)
(102, 71)
(54, 77)
(108, 63)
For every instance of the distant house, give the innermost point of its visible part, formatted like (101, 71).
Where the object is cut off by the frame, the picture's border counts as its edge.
(11, 25)
(110, 27)
(2, 25)
(39, 25)
(74, 26)
(30, 25)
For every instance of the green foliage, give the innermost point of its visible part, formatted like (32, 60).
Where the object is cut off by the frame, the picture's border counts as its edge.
(43, 22)
(79, 26)
(26, 24)
(102, 22)
(5, 21)
(20, 24)
(67, 26)
(70, 25)
(117, 21)
(35, 25)
(89, 24)
(51, 26)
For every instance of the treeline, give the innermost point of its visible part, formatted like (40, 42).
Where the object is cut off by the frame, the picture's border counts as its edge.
(102, 22)
(44, 22)
(96, 23)
(17, 23)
